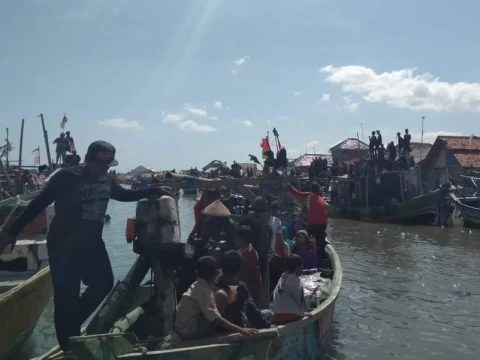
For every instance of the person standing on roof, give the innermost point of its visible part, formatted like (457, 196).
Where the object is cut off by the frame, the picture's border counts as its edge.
(316, 211)
(75, 246)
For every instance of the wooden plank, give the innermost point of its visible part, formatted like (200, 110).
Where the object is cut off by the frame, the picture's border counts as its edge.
(199, 352)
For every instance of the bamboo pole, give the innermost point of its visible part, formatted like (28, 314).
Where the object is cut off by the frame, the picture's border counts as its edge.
(21, 146)
(47, 145)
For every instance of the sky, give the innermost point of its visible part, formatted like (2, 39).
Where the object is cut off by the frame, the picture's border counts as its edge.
(175, 84)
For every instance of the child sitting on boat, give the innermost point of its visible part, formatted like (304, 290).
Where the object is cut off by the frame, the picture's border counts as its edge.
(250, 271)
(233, 299)
(304, 246)
(197, 314)
(288, 299)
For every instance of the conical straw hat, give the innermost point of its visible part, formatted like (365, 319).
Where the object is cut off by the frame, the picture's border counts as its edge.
(216, 208)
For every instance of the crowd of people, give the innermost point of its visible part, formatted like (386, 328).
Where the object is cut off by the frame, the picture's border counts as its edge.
(222, 289)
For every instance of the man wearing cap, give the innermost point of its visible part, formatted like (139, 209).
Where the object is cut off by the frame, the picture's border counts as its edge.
(76, 249)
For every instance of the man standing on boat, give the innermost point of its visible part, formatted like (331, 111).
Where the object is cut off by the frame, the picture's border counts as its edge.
(316, 216)
(75, 246)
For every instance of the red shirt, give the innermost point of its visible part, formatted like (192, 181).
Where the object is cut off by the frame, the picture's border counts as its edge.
(316, 207)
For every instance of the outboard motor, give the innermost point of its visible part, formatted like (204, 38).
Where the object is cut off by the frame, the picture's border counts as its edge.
(155, 233)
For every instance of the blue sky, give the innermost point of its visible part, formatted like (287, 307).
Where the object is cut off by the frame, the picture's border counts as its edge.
(174, 84)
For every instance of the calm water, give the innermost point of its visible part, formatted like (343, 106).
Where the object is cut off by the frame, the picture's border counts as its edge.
(407, 292)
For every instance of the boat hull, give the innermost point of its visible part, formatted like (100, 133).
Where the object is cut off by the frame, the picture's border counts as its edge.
(470, 215)
(304, 339)
(20, 309)
(421, 210)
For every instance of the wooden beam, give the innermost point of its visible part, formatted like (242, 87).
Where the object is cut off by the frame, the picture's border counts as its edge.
(180, 182)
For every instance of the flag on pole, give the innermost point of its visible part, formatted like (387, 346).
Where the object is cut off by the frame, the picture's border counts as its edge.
(265, 145)
(64, 121)
(36, 156)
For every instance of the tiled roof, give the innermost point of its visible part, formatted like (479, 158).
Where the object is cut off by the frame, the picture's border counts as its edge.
(462, 142)
(350, 144)
(465, 148)
(467, 158)
(307, 159)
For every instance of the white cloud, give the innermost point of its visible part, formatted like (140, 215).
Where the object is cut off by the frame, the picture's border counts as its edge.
(213, 117)
(238, 63)
(121, 123)
(326, 97)
(404, 89)
(297, 93)
(307, 148)
(183, 123)
(430, 137)
(350, 105)
(217, 105)
(195, 111)
(246, 123)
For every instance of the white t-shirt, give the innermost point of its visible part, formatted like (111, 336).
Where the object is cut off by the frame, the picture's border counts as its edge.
(276, 226)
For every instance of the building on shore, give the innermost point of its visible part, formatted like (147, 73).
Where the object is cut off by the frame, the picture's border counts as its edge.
(350, 149)
(303, 162)
(450, 156)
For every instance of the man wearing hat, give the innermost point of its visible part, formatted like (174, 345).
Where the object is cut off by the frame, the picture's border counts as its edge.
(218, 226)
(76, 249)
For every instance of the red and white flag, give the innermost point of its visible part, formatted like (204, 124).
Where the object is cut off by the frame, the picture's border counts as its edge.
(36, 156)
(64, 121)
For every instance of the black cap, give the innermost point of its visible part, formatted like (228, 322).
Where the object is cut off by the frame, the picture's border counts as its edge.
(102, 151)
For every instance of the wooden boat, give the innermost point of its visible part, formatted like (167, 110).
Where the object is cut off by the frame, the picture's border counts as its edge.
(421, 210)
(360, 198)
(25, 291)
(303, 339)
(25, 282)
(469, 213)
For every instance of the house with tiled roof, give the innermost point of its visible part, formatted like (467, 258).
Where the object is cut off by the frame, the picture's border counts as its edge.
(350, 149)
(305, 160)
(450, 156)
